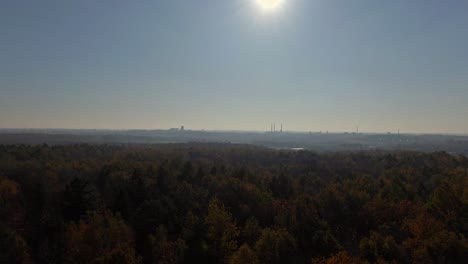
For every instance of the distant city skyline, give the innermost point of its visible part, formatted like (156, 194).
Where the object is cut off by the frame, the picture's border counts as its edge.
(226, 65)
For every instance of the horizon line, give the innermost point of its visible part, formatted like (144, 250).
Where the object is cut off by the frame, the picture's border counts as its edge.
(248, 131)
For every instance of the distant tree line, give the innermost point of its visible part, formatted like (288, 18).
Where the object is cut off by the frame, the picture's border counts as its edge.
(222, 203)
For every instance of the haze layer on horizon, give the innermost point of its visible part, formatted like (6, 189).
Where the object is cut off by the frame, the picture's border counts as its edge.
(224, 65)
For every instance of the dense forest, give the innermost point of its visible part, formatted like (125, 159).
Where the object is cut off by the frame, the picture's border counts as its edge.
(224, 203)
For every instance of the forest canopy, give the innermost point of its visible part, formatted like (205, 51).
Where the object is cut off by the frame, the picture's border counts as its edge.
(224, 203)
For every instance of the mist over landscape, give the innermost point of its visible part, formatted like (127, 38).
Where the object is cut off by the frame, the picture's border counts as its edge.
(313, 141)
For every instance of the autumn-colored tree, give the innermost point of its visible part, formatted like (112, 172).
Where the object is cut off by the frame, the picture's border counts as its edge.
(121, 255)
(100, 237)
(165, 251)
(341, 257)
(312, 233)
(153, 213)
(12, 211)
(251, 231)
(430, 241)
(276, 246)
(88, 203)
(221, 229)
(448, 206)
(244, 255)
(378, 247)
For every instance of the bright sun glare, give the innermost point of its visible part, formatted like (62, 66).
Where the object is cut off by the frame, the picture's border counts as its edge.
(269, 5)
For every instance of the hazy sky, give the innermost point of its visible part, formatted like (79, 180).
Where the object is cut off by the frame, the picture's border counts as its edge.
(225, 64)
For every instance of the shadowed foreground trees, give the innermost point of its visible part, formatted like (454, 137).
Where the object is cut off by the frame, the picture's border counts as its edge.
(223, 203)
(100, 238)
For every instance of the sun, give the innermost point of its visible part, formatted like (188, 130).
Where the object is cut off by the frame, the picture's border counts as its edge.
(269, 5)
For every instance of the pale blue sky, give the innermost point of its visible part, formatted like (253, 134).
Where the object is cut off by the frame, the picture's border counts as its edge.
(224, 64)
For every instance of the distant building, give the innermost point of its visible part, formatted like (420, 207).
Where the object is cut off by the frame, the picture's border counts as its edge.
(182, 128)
